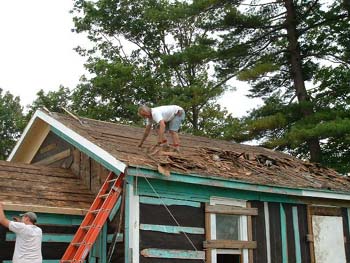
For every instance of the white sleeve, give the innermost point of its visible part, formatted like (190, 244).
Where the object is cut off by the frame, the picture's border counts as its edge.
(17, 227)
(157, 116)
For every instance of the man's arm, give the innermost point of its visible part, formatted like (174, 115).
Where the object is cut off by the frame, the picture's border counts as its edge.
(3, 220)
(145, 134)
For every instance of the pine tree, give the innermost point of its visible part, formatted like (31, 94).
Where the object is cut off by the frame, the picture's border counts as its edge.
(279, 47)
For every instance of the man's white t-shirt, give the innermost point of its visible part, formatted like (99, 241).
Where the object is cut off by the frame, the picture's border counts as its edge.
(28, 243)
(166, 113)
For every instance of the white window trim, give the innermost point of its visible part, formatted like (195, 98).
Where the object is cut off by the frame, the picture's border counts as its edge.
(243, 228)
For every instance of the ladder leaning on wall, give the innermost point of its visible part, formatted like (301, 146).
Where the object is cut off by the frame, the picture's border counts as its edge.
(94, 220)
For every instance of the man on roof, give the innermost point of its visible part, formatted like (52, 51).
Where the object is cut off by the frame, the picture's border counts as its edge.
(28, 237)
(168, 118)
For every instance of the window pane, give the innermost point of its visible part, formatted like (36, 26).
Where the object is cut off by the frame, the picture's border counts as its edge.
(227, 227)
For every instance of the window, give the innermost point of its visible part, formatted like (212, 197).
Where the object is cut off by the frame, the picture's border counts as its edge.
(227, 236)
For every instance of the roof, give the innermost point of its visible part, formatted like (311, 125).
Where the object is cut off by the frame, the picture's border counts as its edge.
(27, 187)
(207, 157)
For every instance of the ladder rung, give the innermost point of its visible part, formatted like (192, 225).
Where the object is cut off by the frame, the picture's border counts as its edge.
(111, 181)
(76, 244)
(103, 196)
(86, 227)
(95, 211)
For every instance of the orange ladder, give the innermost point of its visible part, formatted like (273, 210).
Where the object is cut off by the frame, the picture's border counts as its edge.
(94, 220)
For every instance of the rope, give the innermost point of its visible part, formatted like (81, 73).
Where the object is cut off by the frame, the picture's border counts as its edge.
(171, 214)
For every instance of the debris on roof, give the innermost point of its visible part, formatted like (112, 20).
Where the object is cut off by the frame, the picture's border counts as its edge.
(207, 157)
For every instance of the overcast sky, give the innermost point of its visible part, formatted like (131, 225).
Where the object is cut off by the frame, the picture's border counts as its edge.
(36, 51)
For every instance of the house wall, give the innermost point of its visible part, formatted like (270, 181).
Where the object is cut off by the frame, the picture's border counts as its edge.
(281, 227)
(55, 152)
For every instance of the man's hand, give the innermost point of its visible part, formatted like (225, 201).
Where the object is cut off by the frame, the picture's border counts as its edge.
(16, 219)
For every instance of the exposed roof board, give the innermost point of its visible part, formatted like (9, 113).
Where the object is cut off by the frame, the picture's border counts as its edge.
(207, 157)
(42, 189)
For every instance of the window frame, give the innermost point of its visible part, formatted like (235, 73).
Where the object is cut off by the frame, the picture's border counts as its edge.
(244, 245)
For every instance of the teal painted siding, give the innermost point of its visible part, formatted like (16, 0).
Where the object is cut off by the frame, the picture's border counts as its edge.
(202, 193)
(52, 219)
(296, 234)
(284, 235)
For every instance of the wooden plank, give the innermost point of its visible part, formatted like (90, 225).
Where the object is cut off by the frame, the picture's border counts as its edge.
(230, 210)
(290, 228)
(275, 232)
(229, 244)
(296, 229)
(208, 251)
(346, 230)
(310, 232)
(259, 233)
(54, 158)
(172, 229)
(250, 234)
(172, 253)
(45, 209)
(284, 242)
(167, 201)
(325, 211)
(27, 146)
(48, 148)
(303, 231)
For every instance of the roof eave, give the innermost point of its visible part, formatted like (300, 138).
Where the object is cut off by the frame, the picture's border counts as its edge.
(236, 184)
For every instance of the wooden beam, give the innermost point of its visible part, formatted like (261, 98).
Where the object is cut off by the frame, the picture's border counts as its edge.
(230, 244)
(30, 141)
(230, 210)
(310, 233)
(45, 209)
(325, 211)
(172, 253)
(54, 158)
(250, 234)
(207, 235)
(48, 148)
(172, 229)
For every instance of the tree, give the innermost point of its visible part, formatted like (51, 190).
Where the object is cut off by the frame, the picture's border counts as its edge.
(167, 59)
(12, 122)
(52, 100)
(278, 46)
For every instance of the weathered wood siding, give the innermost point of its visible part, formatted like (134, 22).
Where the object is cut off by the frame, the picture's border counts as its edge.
(55, 152)
(54, 146)
(286, 240)
(155, 222)
(346, 229)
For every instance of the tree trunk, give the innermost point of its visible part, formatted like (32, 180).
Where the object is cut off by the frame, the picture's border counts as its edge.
(297, 74)
(195, 118)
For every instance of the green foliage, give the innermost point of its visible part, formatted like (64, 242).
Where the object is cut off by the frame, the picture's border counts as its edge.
(255, 46)
(12, 122)
(146, 51)
(52, 100)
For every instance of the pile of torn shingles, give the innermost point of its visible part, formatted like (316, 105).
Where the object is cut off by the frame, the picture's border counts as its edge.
(250, 166)
(207, 157)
